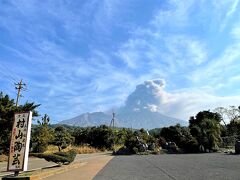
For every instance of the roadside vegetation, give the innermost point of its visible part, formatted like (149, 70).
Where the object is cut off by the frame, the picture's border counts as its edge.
(207, 132)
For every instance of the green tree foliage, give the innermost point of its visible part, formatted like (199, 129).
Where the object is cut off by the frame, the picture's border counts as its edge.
(139, 141)
(120, 136)
(81, 135)
(155, 132)
(233, 128)
(181, 136)
(131, 142)
(62, 138)
(101, 137)
(7, 110)
(206, 128)
(42, 135)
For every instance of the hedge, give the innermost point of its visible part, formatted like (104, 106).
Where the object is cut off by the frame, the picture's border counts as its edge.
(59, 157)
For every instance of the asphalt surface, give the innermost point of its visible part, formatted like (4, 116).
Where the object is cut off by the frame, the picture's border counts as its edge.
(36, 163)
(169, 166)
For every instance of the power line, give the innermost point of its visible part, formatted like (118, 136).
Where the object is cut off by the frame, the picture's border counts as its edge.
(9, 72)
(8, 75)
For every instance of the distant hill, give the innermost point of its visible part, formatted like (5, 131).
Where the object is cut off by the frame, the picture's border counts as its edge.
(89, 119)
(140, 119)
(146, 119)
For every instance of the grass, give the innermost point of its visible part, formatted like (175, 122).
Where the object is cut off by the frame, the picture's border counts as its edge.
(3, 158)
(79, 149)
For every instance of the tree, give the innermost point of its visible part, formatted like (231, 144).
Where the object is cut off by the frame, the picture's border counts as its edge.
(120, 136)
(101, 137)
(230, 114)
(206, 128)
(7, 110)
(62, 138)
(155, 132)
(222, 111)
(81, 135)
(42, 135)
(181, 136)
(233, 128)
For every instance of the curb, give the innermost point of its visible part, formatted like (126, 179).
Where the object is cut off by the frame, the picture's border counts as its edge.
(56, 170)
(42, 173)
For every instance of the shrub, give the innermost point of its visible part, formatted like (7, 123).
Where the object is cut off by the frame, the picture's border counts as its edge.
(192, 146)
(132, 144)
(59, 157)
(70, 155)
(62, 138)
(122, 151)
(162, 142)
(135, 145)
(39, 148)
(172, 147)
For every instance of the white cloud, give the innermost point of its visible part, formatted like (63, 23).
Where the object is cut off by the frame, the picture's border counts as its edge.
(236, 32)
(185, 50)
(176, 15)
(217, 69)
(132, 52)
(180, 104)
(231, 7)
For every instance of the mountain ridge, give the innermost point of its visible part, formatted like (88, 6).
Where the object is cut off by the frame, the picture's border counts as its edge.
(135, 119)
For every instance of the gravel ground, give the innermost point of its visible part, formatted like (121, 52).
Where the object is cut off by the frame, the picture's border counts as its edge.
(169, 166)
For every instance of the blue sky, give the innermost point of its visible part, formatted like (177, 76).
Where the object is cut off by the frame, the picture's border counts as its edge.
(89, 55)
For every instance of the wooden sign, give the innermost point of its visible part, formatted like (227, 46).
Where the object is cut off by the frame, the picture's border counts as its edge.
(20, 140)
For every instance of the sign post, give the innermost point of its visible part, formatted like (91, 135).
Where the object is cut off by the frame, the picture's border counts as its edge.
(20, 140)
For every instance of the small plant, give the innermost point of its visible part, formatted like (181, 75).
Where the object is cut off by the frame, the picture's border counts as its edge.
(59, 157)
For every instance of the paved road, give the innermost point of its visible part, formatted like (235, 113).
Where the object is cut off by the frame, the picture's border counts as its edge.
(183, 167)
(36, 163)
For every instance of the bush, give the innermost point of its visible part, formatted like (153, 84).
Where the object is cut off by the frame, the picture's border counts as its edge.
(59, 157)
(122, 151)
(39, 148)
(132, 144)
(70, 155)
(172, 147)
(136, 145)
(192, 146)
(62, 138)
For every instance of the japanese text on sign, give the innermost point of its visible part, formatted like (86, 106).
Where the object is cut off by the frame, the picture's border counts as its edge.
(19, 147)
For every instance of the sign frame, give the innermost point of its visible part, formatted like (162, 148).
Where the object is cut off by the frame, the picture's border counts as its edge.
(27, 142)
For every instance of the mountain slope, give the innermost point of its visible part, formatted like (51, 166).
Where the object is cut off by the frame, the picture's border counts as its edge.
(89, 119)
(140, 119)
(147, 119)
